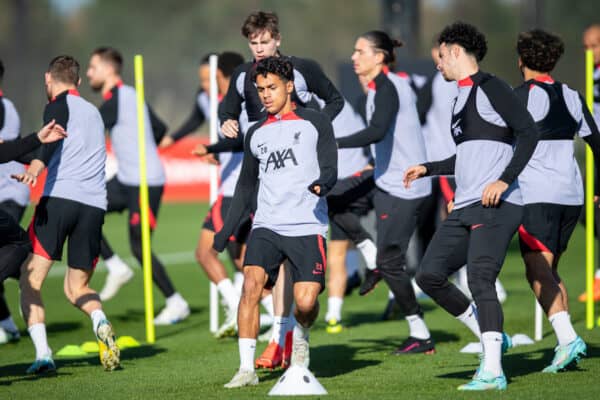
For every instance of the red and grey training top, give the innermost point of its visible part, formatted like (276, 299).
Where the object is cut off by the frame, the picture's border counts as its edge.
(76, 163)
(395, 130)
(495, 137)
(10, 124)
(286, 155)
(552, 174)
(119, 112)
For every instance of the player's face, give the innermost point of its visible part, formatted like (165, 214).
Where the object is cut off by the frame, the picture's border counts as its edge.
(591, 41)
(447, 61)
(96, 72)
(204, 77)
(263, 45)
(274, 93)
(364, 58)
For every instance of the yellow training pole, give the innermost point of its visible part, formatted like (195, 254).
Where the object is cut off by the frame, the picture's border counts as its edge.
(589, 198)
(144, 207)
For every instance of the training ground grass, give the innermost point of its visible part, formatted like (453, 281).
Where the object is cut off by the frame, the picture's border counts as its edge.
(187, 362)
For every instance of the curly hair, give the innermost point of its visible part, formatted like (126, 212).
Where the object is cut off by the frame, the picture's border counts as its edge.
(260, 21)
(539, 50)
(466, 36)
(279, 66)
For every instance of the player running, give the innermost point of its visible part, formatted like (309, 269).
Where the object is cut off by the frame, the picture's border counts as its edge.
(291, 155)
(72, 208)
(120, 119)
(551, 183)
(394, 129)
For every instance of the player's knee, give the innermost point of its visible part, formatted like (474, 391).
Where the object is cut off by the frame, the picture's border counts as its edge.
(306, 304)
(389, 256)
(482, 284)
(252, 289)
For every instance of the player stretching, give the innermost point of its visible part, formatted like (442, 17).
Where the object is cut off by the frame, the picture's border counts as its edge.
(292, 156)
(72, 207)
(487, 121)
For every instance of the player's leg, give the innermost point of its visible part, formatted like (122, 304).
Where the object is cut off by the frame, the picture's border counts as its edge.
(83, 252)
(48, 230)
(33, 273)
(13, 251)
(119, 273)
(396, 219)
(308, 264)
(446, 254)
(208, 259)
(263, 257)
(491, 231)
(176, 309)
(279, 349)
(544, 235)
(337, 276)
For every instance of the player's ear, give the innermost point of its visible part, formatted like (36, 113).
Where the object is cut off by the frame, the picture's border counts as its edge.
(78, 82)
(289, 87)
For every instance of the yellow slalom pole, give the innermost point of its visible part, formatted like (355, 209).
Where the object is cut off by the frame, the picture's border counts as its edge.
(589, 199)
(144, 207)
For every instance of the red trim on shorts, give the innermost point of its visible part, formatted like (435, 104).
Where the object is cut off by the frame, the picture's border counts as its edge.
(531, 241)
(446, 188)
(217, 216)
(322, 251)
(95, 262)
(38, 249)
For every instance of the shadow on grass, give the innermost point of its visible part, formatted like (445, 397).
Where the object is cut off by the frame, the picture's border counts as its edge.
(390, 344)
(137, 315)
(358, 318)
(181, 327)
(61, 327)
(329, 361)
(521, 364)
(10, 374)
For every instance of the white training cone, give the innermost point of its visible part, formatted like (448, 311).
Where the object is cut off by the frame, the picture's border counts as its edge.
(297, 381)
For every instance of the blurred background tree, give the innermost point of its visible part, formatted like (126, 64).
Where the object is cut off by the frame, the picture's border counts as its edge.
(174, 35)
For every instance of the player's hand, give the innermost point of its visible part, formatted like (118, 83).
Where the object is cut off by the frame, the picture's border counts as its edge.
(200, 150)
(219, 242)
(450, 206)
(316, 189)
(413, 173)
(230, 128)
(211, 159)
(166, 141)
(51, 132)
(492, 193)
(26, 177)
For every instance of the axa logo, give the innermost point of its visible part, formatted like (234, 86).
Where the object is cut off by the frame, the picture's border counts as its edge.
(456, 129)
(280, 159)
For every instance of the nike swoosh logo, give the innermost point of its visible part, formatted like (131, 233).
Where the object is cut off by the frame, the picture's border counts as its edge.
(454, 125)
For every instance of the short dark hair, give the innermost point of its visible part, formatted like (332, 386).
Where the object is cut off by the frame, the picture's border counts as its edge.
(260, 21)
(381, 41)
(64, 69)
(539, 50)
(280, 66)
(1, 71)
(466, 36)
(228, 61)
(110, 55)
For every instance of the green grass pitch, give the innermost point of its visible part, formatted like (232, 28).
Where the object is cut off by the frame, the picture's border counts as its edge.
(187, 362)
